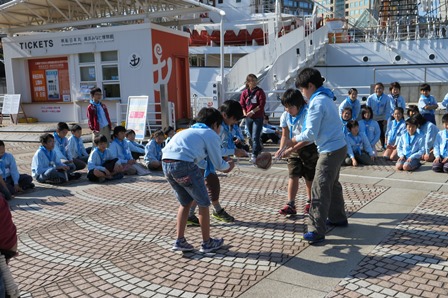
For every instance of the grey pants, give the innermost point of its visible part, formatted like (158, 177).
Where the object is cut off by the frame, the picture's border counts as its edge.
(326, 192)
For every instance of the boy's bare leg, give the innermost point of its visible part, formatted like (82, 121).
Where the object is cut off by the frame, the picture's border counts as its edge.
(308, 189)
(293, 188)
(182, 215)
(204, 221)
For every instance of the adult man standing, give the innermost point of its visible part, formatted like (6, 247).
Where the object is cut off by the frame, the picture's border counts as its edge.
(323, 127)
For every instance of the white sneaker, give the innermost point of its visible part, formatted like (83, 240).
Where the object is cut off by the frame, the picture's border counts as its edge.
(252, 158)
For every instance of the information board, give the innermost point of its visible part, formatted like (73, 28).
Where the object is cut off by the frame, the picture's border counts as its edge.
(136, 116)
(11, 104)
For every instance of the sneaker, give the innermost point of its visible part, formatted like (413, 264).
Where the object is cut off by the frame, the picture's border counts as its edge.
(74, 176)
(30, 186)
(288, 210)
(193, 221)
(313, 238)
(182, 245)
(307, 208)
(223, 216)
(116, 176)
(252, 159)
(211, 245)
(55, 181)
(343, 223)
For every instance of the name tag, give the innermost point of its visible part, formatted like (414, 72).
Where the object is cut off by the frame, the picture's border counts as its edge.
(254, 99)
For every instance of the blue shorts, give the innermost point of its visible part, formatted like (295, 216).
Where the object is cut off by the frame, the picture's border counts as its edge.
(187, 181)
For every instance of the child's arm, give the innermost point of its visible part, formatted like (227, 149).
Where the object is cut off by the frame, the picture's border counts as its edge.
(14, 172)
(419, 145)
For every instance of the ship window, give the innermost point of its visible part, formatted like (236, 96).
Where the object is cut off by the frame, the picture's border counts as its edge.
(238, 1)
(220, 1)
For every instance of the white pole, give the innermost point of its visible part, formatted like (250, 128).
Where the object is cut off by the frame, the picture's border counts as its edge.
(221, 50)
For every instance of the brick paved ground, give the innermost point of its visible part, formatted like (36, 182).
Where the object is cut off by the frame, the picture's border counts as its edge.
(113, 240)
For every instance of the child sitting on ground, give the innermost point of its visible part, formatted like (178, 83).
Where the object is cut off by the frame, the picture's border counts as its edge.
(60, 148)
(153, 151)
(410, 147)
(345, 117)
(14, 181)
(180, 157)
(169, 133)
(395, 128)
(269, 132)
(359, 150)
(119, 149)
(429, 133)
(440, 163)
(137, 150)
(369, 126)
(46, 167)
(352, 102)
(76, 147)
(101, 164)
(302, 157)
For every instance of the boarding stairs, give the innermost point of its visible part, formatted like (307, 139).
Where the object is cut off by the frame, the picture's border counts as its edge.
(277, 64)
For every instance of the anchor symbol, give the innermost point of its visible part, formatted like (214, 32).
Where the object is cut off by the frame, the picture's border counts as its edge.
(135, 60)
(159, 66)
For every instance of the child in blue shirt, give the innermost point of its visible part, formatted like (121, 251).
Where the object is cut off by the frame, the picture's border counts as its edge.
(369, 126)
(153, 151)
(61, 148)
(440, 163)
(46, 167)
(101, 164)
(302, 158)
(180, 158)
(359, 150)
(14, 181)
(410, 147)
(169, 133)
(427, 104)
(395, 99)
(137, 150)
(119, 149)
(269, 132)
(346, 116)
(429, 133)
(379, 102)
(395, 128)
(352, 102)
(76, 149)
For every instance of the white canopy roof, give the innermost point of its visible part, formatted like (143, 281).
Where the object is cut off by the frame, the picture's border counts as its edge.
(46, 15)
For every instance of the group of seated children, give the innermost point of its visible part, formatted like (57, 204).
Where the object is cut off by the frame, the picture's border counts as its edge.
(406, 142)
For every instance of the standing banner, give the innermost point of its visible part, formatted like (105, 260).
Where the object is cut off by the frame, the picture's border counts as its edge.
(11, 104)
(136, 115)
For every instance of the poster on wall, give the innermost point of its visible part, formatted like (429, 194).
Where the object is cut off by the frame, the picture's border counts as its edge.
(136, 116)
(49, 79)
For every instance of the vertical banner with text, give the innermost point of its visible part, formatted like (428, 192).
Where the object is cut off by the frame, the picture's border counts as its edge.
(49, 79)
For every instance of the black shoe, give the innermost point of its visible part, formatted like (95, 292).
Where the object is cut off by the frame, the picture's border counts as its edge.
(116, 176)
(343, 223)
(74, 176)
(31, 186)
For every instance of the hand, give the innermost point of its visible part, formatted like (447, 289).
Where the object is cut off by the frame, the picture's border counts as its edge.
(390, 147)
(106, 171)
(289, 143)
(287, 152)
(401, 159)
(354, 162)
(240, 153)
(118, 168)
(17, 188)
(278, 154)
(231, 164)
(250, 114)
(445, 160)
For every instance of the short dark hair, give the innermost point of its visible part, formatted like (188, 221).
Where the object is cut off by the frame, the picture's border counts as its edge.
(100, 139)
(413, 121)
(232, 109)
(95, 90)
(62, 126)
(394, 85)
(380, 84)
(351, 124)
(420, 120)
(129, 132)
(309, 75)
(351, 90)
(399, 109)
(425, 87)
(75, 127)
(118, 129)
(2, 144)
(43, 139)
(209, 116)
(157, 133)
(444, 120)
(366, 109)
(293, 97)
(167, 130)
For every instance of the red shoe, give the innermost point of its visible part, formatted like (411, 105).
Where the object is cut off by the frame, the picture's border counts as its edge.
(307, 208)
(288, 210)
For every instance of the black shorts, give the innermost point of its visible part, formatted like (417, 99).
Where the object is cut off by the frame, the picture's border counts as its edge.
(91, 176)
(303, 162)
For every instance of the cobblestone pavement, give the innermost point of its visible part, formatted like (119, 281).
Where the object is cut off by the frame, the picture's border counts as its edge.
(114, 240)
